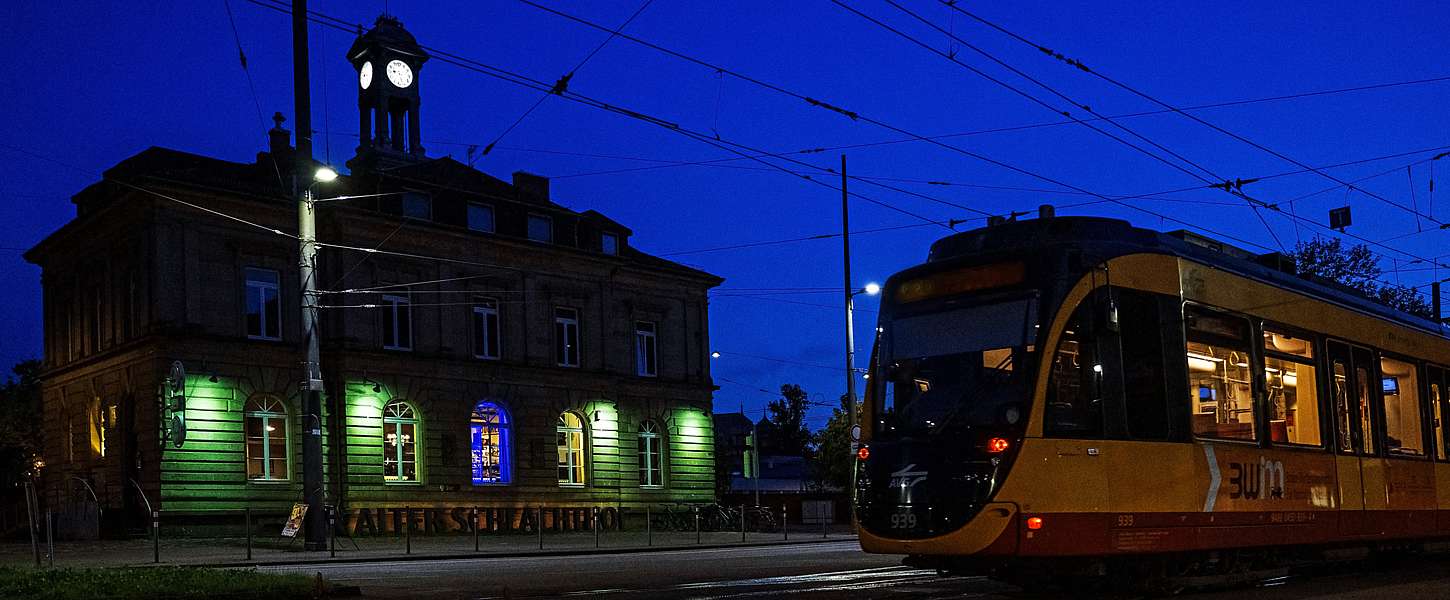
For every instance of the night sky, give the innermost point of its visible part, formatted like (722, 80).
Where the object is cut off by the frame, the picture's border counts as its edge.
(91, 83)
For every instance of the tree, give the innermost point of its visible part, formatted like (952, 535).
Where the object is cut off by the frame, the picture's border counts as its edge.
(833, 463)
(1357, 268)
(788, 435)
(20, 418)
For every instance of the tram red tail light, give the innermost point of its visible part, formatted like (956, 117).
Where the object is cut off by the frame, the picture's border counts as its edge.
(998, 445)
(1034, 523)
(864, 453)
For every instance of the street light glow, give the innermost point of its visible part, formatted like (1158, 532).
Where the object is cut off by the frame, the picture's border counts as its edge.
(325, 174)
(872, 289)
(715, 354)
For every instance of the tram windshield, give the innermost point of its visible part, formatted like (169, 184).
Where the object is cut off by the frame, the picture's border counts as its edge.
(955, 369)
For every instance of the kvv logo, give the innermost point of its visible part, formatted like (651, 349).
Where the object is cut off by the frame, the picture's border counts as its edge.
(1255, 481)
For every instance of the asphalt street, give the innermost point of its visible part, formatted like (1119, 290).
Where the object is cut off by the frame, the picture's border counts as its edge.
(822, 570)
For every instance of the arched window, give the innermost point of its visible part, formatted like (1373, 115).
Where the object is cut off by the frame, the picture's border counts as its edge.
(400, 443)
(488, 434)
(266, 425)
(570, 431)
(651, 459)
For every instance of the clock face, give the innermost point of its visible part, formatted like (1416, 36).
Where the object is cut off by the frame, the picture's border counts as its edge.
(400, 73)
(365, 76)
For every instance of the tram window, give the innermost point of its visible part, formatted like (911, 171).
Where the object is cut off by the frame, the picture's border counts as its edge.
(1403, 434)
(1365, 425)
(1343, 409)
(1293, 402)
(1074, 392)
(1219, 376)
(1437, 410)
(1144, 388)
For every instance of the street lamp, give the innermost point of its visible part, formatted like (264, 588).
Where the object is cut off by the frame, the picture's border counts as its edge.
(871, 289)
(311, 383)
(324, 174)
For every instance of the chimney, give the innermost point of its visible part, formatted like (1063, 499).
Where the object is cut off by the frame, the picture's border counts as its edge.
(280, 139)
(531, 184)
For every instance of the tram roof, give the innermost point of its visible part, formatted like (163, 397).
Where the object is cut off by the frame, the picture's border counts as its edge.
(1108, 238)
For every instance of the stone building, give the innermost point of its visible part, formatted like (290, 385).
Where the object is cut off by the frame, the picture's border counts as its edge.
(482, 345)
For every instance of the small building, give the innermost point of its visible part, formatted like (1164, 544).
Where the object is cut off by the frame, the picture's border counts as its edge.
(482, 344)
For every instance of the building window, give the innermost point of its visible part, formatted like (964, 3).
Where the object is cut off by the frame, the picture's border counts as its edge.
(485, 328)
(646, 355)
(1293, 385)
(417, 205)
(266, 423)
(570, 441)
(1404, 434)
(488, 434)
(397, 322)
(566, 337)
(1219, 375)
(541, 228)
(651, 465)
(400, 443)
(480, 217)
(609, 243)
(264, 307)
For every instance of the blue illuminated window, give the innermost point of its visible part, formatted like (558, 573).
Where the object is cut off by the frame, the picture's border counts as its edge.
(488, 434)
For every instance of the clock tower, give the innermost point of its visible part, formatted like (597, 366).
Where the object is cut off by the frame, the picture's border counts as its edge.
(387, 59)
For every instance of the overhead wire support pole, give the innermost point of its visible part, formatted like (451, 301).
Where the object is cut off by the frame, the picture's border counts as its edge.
(315, 524)
(849, 293)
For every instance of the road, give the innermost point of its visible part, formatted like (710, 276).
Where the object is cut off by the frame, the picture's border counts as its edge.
(823, 570)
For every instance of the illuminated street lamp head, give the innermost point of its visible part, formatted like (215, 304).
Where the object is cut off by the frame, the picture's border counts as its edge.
(325, 174)
(872, 289)
(715, 354)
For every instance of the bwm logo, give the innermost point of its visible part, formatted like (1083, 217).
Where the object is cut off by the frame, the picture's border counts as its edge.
(1262, 480)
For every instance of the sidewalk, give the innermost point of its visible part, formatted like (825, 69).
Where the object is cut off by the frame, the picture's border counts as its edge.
(232, 552)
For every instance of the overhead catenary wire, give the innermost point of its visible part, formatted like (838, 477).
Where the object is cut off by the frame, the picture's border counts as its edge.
(1079, 65)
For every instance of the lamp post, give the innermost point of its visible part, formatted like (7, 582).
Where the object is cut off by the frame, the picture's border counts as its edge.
(871, 289)
(311, 383)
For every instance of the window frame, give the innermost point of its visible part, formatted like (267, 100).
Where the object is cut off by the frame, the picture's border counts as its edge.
(483, 308)
(1255, 368)
(1323, 393)
(413, 195)
(267, 416)
(1441, 450)
(492, 217)
(505, 450)
(646, 349)
(652, 473)
(276, 288)
(1417, 368)
(529, 227)
(609, 249)
(394, 304)
(562, 327)
(399, 421)
(564, 434)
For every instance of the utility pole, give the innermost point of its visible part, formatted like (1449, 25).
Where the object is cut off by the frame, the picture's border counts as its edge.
(315, 524)
(850, 292)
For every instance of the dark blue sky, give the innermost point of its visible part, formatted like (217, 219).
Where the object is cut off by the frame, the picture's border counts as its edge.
(91, 83)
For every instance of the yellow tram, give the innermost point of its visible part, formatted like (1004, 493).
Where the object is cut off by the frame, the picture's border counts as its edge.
(1078, 396)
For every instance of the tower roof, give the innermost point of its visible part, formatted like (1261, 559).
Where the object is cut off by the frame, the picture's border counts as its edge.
(387, 32)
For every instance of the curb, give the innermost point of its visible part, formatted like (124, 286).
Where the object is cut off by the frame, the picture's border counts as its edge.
(517, 554)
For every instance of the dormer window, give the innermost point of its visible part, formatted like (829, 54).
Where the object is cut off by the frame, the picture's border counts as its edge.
(541, 228)
(609, 244)
(480, 217)
(417, 205)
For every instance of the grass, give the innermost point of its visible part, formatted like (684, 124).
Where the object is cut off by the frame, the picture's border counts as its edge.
(151, 583)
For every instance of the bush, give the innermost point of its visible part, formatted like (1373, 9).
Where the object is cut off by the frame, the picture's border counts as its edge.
(159, 583)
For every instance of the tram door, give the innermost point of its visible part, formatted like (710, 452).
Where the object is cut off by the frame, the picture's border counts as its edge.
(1360, 474)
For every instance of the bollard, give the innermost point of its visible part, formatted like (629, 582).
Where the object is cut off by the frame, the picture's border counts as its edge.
(784, 525)
(596, 527)
(474, 516)
(332, 532)
(697, 524)
(408, 528)
(539, 525)
(156, 536)
(823, 522)
(249, 533)
(649, 532)
(742, 523)
(50, 538)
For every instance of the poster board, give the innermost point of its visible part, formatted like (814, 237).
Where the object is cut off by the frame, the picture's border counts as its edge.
(294, 520)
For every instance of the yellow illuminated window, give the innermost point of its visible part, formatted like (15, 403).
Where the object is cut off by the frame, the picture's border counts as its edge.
(1293, 402)
(1219, 376)
(1403, 431)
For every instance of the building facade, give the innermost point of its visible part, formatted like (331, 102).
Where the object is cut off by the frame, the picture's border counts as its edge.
(482, 345)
